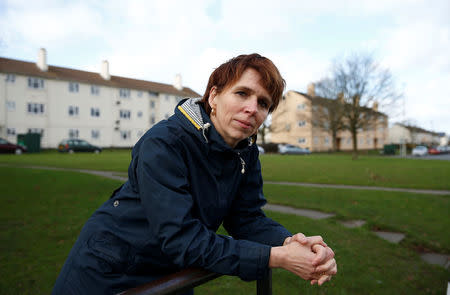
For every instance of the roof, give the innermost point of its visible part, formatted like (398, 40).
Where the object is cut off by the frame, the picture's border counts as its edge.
(323, 101)
(416, 129)
(18, 67)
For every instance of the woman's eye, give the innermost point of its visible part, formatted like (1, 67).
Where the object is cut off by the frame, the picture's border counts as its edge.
(263, 104)
(241, 93)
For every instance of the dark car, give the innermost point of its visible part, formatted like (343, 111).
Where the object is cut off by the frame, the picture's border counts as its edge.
(8, 147)
(77, 145)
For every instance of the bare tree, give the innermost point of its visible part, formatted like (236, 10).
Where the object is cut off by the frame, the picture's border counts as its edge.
(363, 84)
(328, 107)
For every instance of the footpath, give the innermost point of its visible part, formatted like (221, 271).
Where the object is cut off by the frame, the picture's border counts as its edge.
(393, 237)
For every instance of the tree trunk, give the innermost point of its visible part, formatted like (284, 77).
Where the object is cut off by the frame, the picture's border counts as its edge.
(355, 144)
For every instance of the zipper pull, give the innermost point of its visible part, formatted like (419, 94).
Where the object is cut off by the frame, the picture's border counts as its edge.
(242, 163)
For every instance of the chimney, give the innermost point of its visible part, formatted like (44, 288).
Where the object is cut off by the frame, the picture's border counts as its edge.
(42, 60)
(311, 90)
(105, 70)
(177, 83)
(375, 106)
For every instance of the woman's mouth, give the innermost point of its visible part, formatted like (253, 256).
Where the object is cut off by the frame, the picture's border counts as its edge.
(244, 124)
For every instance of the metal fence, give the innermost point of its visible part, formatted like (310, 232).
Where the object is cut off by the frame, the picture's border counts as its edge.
(187, 279)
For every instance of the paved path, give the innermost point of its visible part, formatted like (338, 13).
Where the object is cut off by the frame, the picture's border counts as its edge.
(361, 187)
(119, 176)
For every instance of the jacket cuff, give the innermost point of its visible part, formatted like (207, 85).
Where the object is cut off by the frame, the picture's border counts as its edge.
(254, 260)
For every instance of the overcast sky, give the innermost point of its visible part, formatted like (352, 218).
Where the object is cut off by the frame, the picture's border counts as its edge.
(156, 39)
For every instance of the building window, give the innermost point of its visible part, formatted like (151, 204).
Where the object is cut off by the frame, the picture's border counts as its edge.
(11, 78)
(369, 141)
(35, 108)
(153, 94)
(73, 133)
(302, 140)
(152, 119)
(361, 141)
(140, 133)
(287, 127)
(301, 106)
(95, 112)
(125, 134)
(166, 97)
(139, 94)
(327, 140)
(36, 130)
(10, 131)
(73, 111)
(316, 140)
(139, 114)
(95, 134)
(152, 104)
(10, 105)
(95, 90)
(35, 82)
(73, 87)
(125, 114)
(125, 93)
(301, 123)
(349, 140)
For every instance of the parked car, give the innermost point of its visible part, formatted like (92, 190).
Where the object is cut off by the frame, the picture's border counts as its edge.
(8, 147)
(261, 150)
(433, 151)
(292, 149)
(420, 150)
(77, 145)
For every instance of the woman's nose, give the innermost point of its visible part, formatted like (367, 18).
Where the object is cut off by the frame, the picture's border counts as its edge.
(251, 105)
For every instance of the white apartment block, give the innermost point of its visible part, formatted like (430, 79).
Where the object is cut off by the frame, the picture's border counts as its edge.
(61, 103)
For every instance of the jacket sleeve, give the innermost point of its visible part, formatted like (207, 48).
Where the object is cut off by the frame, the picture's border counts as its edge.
(246, 219)
(164, 193)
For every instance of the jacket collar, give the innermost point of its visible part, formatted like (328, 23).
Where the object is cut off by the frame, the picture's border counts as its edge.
(192, 111)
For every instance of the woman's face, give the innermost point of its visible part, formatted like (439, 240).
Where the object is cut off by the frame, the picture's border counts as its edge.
(241, 108)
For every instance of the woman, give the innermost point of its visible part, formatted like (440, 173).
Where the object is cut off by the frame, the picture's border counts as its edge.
(188, 175)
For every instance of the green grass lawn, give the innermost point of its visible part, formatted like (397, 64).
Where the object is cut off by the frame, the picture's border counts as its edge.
(367, 170)
(423, 218)
(43, 211)
(316, 168)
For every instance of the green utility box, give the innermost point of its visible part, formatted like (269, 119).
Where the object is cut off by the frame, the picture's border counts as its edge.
(390, 149)
(31, 140)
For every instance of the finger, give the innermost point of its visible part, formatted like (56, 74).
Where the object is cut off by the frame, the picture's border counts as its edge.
(316, 240)
(323, 279)
(328, 267)
(287, 241)
(321, 255)
(299, 237)
(314, 282)
(330, 253)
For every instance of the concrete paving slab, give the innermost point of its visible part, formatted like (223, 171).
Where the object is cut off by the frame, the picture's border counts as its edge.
(353, 223)
(437, 259)
(301, 212)
(390, 236)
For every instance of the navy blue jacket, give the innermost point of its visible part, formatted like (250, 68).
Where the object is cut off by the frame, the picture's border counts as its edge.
(184, 181)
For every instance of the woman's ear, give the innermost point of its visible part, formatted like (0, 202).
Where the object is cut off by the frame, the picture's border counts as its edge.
(212, 96)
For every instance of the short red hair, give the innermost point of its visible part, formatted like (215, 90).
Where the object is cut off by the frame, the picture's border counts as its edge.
(230, 72)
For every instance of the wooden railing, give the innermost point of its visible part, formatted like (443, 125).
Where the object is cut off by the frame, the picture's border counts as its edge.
(187, 279)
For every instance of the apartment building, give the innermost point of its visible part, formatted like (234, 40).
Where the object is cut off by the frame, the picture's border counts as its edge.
(402, 133)
(293, 122)
(61, 103)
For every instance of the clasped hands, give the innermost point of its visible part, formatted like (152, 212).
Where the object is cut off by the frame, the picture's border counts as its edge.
(308, 257)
